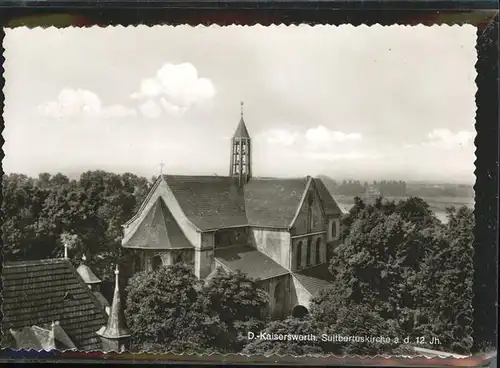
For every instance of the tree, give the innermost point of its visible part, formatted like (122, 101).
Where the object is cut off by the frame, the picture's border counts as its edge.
(239, 305)
(336, 315)
(404, 265)
(290, 344)
(453, 307)
(165, 312)
(417, 211)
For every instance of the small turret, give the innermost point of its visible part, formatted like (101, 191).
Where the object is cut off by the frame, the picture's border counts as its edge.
(115, 335)
(241, 165)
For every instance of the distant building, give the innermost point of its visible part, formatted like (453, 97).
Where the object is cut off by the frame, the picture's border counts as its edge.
(47, 305)
(279, 230)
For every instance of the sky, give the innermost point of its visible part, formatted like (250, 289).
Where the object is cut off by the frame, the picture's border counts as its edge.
(348, 102)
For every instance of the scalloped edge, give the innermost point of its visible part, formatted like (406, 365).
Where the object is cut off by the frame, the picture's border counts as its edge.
(430, 23)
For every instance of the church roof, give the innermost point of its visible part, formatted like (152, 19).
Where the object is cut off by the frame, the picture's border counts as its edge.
(40, 292)
(245, 259)
(87, 275)
(158, 230)
(241, 130)
(209, 202)
(215, 202)
(273, 202)
(314, 279)
(330, 206)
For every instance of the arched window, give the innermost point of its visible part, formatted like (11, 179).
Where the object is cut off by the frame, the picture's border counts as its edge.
(156, 262)
(299, 255)
(299, 311)
(318, 251)
(334, 229)
(308, 252)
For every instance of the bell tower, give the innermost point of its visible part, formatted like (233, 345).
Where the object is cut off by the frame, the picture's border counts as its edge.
(241, 165)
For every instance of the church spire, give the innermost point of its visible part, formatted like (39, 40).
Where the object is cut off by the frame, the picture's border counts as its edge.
(241, 130)
(241, 166)
(116, 335)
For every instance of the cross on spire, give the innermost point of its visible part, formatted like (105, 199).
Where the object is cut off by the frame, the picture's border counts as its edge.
(161, 167)
(241, 108)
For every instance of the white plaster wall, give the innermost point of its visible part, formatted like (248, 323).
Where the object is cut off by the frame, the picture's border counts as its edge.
(302, 296)
(273, 243)
(203, 263)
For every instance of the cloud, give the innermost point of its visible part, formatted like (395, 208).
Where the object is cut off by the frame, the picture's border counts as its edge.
(319, 137)
(353, 155)
(316, 144)
(445, 139)
(280, 137)
(150, 109)
(80, 103)
(322, 135)
(176, 87)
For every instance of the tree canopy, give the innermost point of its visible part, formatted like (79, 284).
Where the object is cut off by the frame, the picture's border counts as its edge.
(170, 309)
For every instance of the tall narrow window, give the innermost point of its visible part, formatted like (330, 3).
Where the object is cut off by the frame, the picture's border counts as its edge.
(310, 201)
(299, 255)
(334, 229)
(308, 251)
(318, 251)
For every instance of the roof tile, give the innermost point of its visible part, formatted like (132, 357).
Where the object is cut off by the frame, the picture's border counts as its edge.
(158, 230)
(246, 259)
(315, 279)
(40, 292)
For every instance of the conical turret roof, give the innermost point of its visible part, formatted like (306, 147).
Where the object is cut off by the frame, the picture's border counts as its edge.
(241, 130)
(117, 326)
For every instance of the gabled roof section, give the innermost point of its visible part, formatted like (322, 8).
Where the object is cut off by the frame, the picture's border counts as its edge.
(272, 202)
(329, 204)
(215, 202)
(144, 202)
(209, 202)
(158, 230)
(315, 279)
(241, 130)
(250, 261)
(40, 292)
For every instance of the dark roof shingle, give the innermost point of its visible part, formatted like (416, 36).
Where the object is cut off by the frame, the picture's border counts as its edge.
(273, 202)
(329, 204)
(41, 292)
(315, 279)
(249, 261)
(158, 230)
(214, 202)
(210, 202)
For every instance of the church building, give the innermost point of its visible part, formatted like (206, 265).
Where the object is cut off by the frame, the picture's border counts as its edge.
(279, 231)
